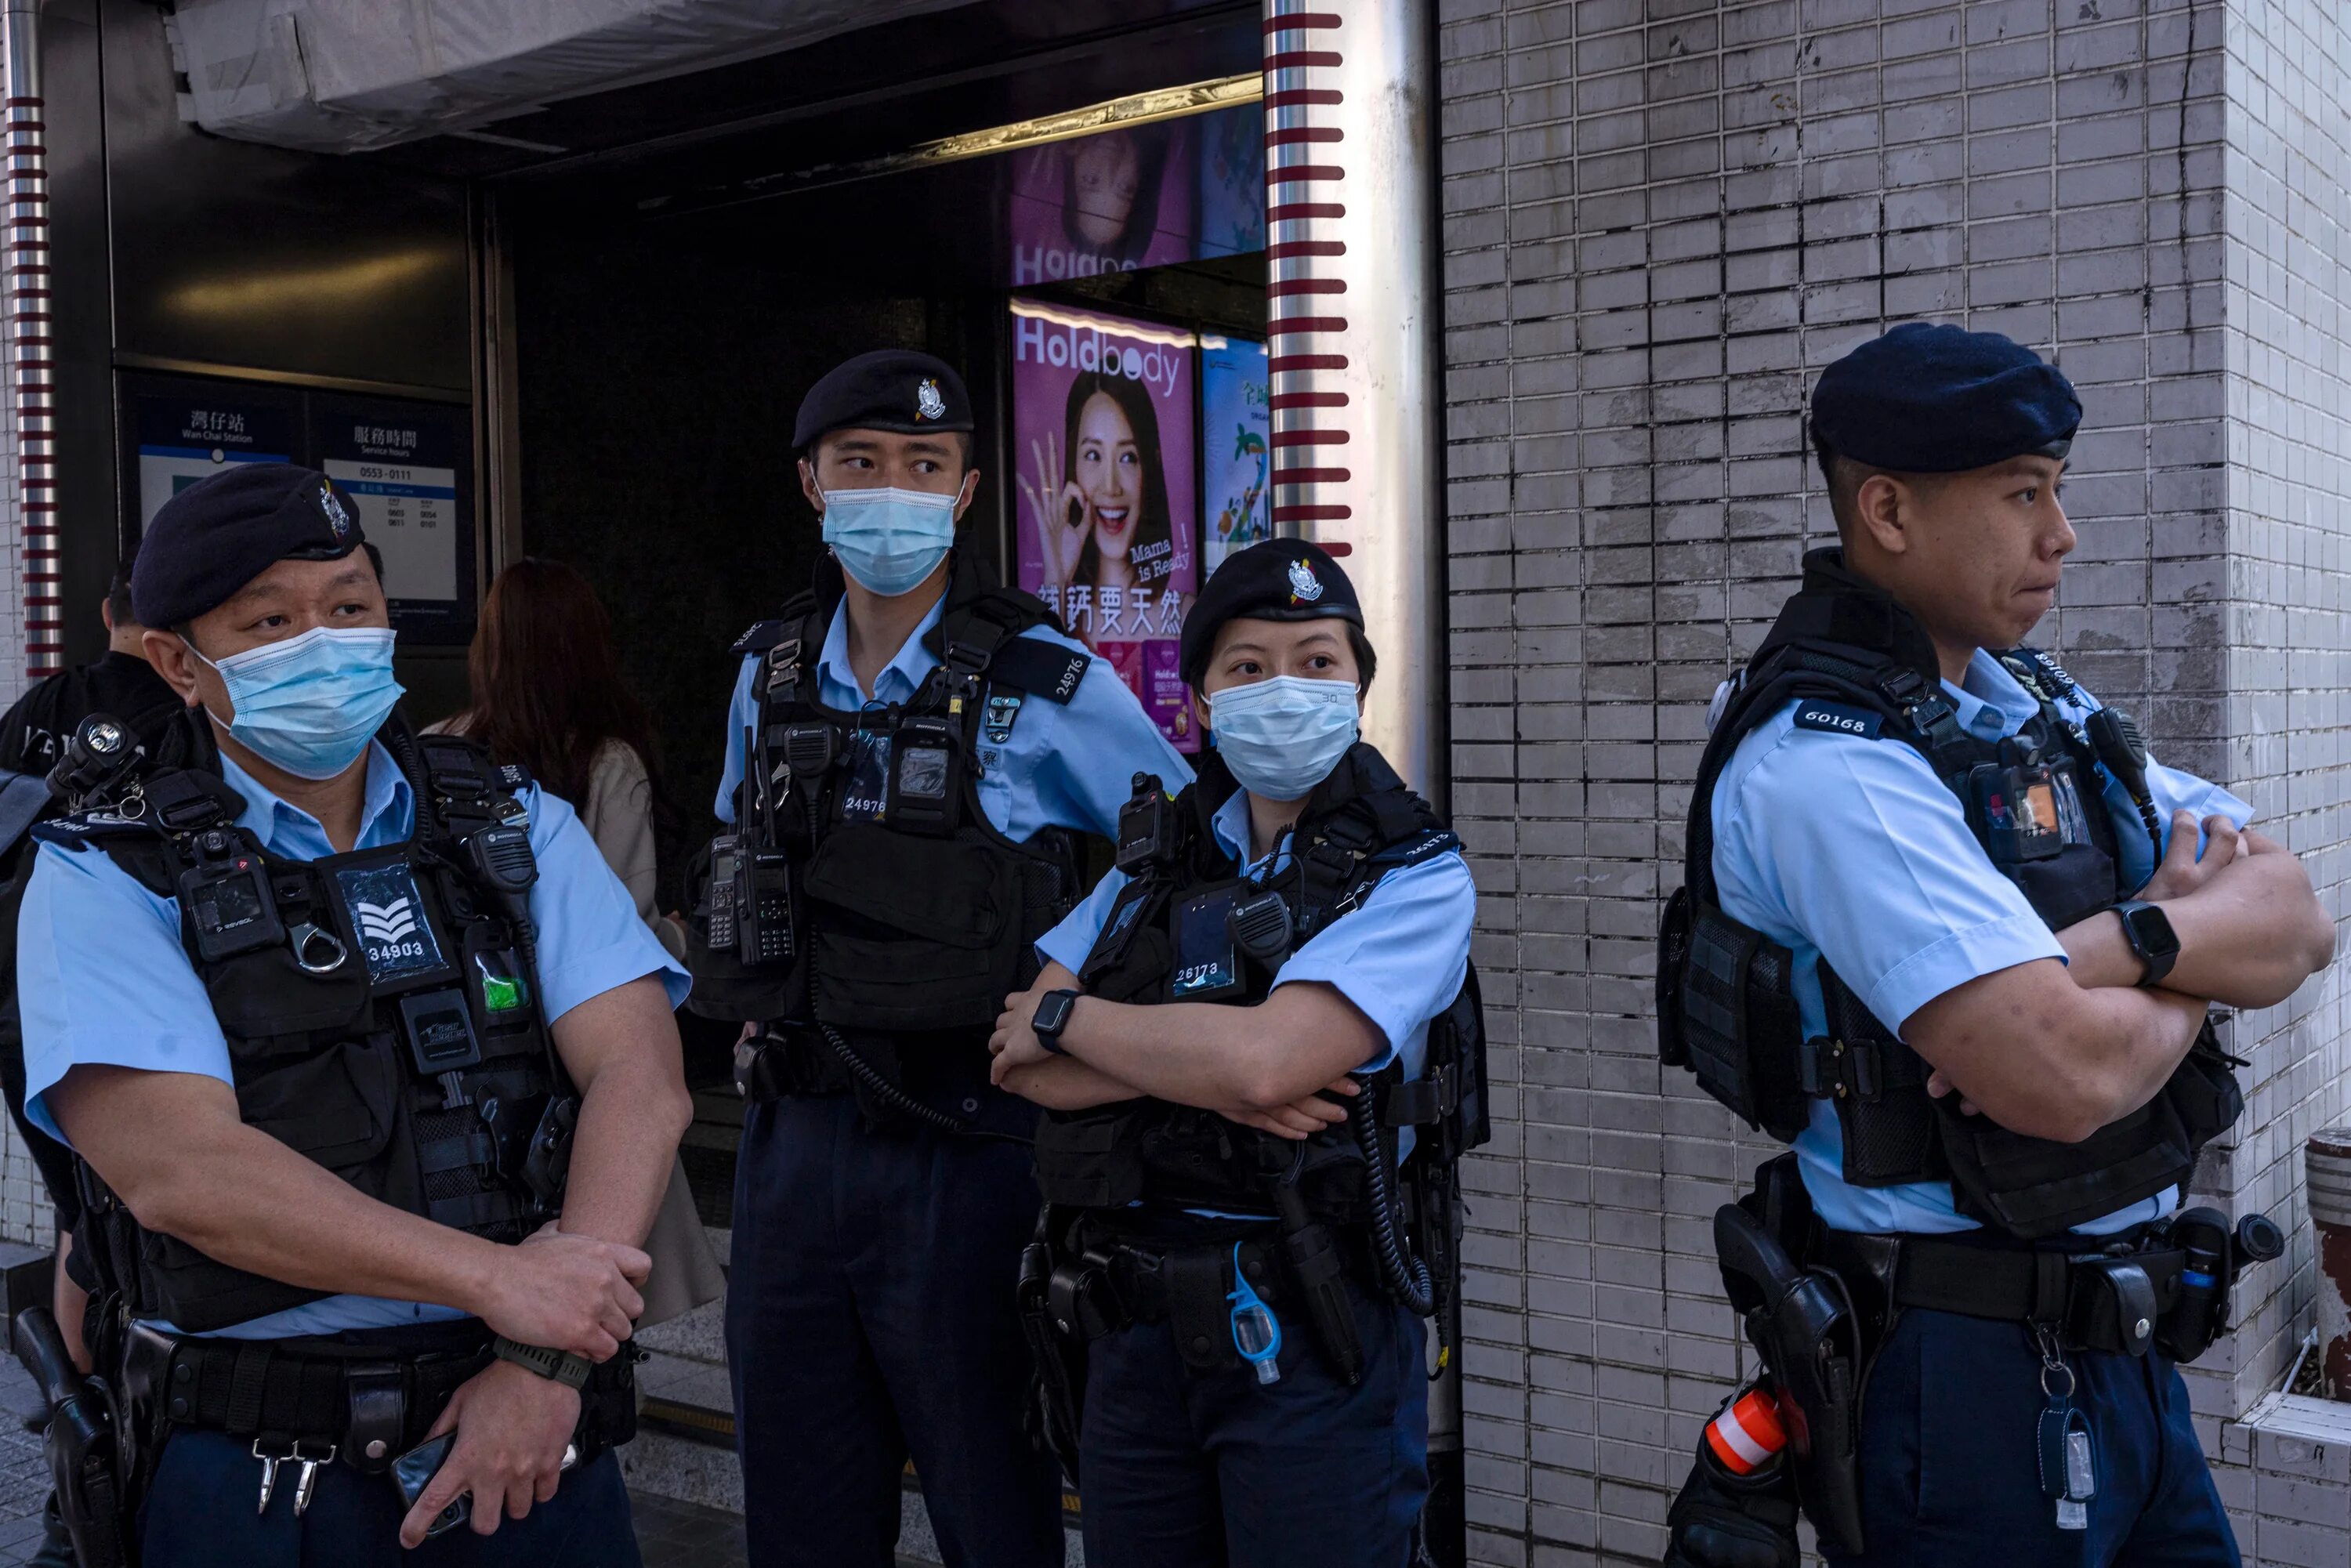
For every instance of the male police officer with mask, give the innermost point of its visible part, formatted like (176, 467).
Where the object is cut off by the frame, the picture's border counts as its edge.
(921, 745)
(372, 1075)
(2004, 926)
(1238, 1032)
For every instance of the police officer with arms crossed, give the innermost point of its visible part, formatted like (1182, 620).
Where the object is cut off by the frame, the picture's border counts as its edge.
(923, 743)
(1237, 1033)
(367, 1060)
(1950, 932)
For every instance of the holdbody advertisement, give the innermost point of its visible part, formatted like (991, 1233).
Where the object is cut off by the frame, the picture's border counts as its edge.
(1108, 522)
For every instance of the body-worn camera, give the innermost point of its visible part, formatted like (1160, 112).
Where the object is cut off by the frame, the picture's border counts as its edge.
(1146, 826)
(925, 785)
(228, 899)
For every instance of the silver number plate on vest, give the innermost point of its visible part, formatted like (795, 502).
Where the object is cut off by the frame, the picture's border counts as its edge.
(389, 915)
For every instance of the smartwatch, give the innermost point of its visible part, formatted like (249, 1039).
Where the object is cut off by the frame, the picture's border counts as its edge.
(2148, 930)
(1052, 1017)
(556, 1366)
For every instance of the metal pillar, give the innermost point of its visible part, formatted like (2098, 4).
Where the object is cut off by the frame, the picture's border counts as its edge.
(1355, 321)
(31, 338)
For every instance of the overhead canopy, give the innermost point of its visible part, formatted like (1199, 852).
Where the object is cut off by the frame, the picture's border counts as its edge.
(349, 76)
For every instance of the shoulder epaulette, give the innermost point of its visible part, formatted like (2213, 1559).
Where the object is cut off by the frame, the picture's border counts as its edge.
(91, 826)
(762, 636)
(1430, 842)
(1039, 668)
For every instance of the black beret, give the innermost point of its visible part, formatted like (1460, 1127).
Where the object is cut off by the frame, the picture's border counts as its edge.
(220, 533)
(1274, 580)
(889, 389)
(1932, 399)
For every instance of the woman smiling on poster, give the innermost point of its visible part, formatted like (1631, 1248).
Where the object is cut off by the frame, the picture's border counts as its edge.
(1108, 547)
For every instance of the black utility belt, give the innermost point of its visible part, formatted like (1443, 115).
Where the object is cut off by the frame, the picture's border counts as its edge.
(2098, 1293)
(797, 1060)
(324, 1400)
(1114, 1281)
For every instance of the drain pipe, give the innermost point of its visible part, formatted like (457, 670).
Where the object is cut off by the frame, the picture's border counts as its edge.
(1352, 324)
(32, 338)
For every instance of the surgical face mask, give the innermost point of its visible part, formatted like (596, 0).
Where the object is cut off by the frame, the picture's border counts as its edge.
(311, 703)
(1282, 737)
(889, 540)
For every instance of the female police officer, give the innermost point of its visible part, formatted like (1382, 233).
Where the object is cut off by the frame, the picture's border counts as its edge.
(322, 1014)
(1255, 1390)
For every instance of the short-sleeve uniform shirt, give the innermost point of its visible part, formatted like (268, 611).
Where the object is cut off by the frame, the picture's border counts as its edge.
(103, 978)
(1849, 848)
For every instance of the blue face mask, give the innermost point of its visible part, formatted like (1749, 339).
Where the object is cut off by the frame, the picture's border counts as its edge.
(1282, 737)
(311, 703)
(889, 540)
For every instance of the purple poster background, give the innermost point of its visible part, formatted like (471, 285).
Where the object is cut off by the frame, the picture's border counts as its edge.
(1108, 519)
(1112, 202)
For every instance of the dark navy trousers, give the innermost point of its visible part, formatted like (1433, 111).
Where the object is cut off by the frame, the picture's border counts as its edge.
(1188, 1469)
(1948, 1473)
(201, 1513)
(870, 1317)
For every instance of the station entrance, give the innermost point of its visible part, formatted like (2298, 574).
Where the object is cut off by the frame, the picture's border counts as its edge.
(1092, 262)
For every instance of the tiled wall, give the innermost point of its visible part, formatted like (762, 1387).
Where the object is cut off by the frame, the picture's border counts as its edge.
(1662, 219)
(2286, 313)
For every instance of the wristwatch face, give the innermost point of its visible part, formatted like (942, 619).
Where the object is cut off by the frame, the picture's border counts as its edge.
(1053, 1012)
(2151, 933)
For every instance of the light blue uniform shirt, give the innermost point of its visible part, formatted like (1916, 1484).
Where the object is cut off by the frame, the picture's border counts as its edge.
(1400, 957)
(1064, 766)
(103, 978)
(1840, 847)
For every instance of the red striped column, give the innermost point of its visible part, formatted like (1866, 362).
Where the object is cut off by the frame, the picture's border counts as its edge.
(1353, 318)
(25, 243)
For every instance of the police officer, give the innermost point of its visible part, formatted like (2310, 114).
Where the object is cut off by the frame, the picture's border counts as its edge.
(1238, 1032)
(923, 744)
(1948, 931)
(121, 683)
(370, 1069)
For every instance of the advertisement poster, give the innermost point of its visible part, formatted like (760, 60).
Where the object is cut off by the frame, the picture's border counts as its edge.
(1112, 202)
(1232, 181)
(1235, 436)
(183, 439)
(1108, 520)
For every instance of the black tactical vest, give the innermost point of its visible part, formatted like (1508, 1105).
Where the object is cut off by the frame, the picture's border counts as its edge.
(863, 886)
(1173, 935)
(381, 1008)
(1726, 1009)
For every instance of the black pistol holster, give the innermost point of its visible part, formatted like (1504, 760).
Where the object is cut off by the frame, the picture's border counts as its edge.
(1054, 1303)
(1802, 1324)
(83, 1442)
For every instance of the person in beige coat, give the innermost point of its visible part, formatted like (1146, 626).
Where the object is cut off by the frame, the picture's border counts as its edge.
(548, 694)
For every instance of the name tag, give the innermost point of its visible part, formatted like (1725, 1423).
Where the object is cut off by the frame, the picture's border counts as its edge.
(1839, 719)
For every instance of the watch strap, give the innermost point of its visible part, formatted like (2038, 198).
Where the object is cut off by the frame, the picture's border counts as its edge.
(555, 1366)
